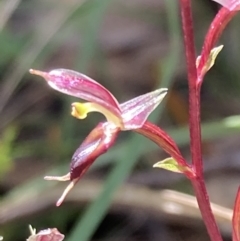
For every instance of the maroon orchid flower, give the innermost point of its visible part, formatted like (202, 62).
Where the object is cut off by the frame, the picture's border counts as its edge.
(130, 115)
(50, 234)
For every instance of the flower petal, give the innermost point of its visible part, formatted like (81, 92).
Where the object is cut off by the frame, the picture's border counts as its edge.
(231, 5)
(136, 111)
(50, 234)
(79, 85)
(101, 138)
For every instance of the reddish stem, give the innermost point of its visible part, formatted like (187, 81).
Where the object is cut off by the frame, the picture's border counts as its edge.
(236, 218)
(163, 140)
(194, 105)
(205, 209)
(194, 122)
(187, 25)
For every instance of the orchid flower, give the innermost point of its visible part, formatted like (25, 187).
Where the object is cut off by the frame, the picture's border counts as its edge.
(130, 115)
(50, 234)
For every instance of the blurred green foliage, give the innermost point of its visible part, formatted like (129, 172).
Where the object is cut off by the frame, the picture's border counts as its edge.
(6, 149)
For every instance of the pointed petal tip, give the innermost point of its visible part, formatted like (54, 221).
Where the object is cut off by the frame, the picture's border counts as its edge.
(155, 165)
(38, 72)
(57, 178)
(160, 92)
(59, 202)
(66, 191)
(164, 91)
(51, 178)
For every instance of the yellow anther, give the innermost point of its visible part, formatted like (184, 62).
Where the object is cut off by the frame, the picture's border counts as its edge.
(80, 111)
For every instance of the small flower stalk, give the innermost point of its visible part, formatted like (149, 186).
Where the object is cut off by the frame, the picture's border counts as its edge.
(219, 23)
(130, 115)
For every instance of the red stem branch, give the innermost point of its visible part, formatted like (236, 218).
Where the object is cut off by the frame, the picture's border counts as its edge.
(214, 32)
(194, 105)
(164, 141)
(194, 122)
(205, 209)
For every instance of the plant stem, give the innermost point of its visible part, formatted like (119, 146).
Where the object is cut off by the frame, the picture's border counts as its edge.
(163, 140)
(214, 32)
(194, 95)
(194, 122)
(205, 209)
